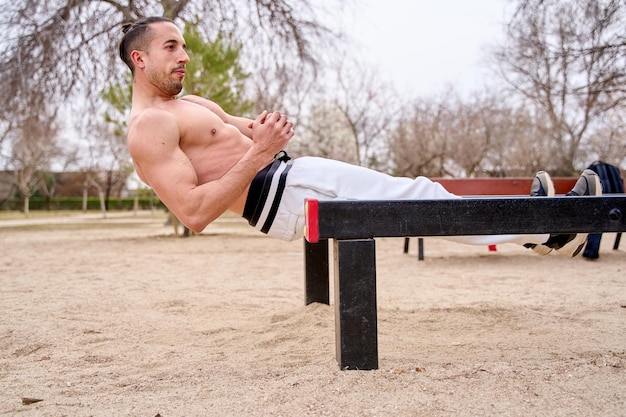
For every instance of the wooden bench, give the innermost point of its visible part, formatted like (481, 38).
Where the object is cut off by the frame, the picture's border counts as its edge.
(351, 226)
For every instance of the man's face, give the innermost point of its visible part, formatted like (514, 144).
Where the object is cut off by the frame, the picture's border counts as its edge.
(166, 58)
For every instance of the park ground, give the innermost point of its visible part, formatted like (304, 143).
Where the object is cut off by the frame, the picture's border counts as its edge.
(119, 317)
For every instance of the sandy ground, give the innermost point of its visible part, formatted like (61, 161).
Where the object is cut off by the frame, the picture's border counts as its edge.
(118, 317)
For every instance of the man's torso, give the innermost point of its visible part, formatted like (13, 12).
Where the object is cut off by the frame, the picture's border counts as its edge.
(212, 146)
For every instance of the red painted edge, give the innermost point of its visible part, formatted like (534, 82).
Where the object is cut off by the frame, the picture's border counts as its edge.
(311, 224)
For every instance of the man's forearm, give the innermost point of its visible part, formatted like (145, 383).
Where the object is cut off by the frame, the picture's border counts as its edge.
(210, 200)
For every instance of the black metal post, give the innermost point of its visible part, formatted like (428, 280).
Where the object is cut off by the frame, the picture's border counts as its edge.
(316, 275)
(420, 248)
(356, 326)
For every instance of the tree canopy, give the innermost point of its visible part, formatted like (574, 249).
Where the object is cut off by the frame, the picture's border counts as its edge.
(66, 47)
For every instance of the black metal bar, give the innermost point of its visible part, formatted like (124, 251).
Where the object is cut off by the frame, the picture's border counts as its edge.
(356, 322)
(618, 237)
(406, 244)
(471, 216)
(316, 272)
(354, 224)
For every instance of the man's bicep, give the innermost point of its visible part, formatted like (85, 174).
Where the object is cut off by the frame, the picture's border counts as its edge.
(161, 163)
(168, 172)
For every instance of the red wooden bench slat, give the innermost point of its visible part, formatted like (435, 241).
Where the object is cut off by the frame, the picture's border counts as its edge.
(500, 186)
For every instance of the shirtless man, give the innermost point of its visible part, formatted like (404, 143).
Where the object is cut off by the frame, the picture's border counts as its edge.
(201, 161)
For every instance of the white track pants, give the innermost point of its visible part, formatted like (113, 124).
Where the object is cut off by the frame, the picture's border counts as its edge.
(326, 179)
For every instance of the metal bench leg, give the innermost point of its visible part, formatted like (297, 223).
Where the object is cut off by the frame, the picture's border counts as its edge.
(420, 249)
(356, 326)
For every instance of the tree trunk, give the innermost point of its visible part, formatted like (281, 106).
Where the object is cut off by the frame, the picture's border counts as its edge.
(103, 207)
(136, 202)
(85, 197)
(26, 206)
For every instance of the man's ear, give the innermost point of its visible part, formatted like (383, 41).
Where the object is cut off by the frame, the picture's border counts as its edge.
(137, 57)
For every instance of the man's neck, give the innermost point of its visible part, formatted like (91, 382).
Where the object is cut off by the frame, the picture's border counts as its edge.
(145, 95)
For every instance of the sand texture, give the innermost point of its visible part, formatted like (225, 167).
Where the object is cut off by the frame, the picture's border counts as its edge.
(118, 317)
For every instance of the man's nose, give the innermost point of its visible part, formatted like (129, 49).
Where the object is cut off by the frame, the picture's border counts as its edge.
(184, 58)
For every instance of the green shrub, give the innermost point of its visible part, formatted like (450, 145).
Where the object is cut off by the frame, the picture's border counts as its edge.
(76, 203)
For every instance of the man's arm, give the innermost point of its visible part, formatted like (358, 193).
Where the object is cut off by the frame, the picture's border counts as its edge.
(154, 146)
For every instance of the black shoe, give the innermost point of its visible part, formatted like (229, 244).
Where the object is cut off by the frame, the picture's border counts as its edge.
(588, 184)
(542, 185)
(570, 245)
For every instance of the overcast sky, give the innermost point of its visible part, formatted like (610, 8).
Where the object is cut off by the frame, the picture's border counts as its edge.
(422, 45)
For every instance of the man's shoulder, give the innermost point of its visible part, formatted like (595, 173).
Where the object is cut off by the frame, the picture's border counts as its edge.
(201, 101)
(191, 98)
(150, 124)
(151, 117)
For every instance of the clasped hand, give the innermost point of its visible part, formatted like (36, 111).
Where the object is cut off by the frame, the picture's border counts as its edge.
(272, 131)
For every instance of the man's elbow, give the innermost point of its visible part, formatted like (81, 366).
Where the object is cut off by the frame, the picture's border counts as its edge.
(194, 217)
(197, 228)
(195, 223)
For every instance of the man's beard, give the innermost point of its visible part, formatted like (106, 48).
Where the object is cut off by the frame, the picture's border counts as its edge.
(167, 85)
(173, 87)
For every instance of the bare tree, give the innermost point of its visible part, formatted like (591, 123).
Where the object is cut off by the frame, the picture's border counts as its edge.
(369, 107)
(349, 118)
(62, 47)
(607, 142)
(105, 157)
(476, 136)
(323, 132)
(568, 58)
(419, 144)
(279, 91)
(472, 133)
(66, 50)
(490, 137)
(34, 146)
